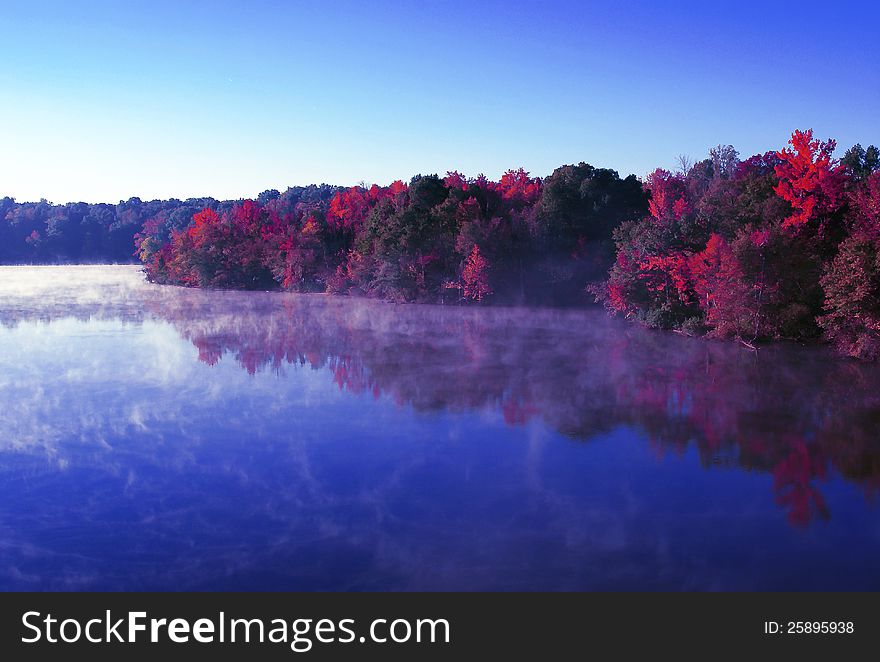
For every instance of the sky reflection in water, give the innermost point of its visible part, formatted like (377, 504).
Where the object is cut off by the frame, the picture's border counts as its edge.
(168, 439)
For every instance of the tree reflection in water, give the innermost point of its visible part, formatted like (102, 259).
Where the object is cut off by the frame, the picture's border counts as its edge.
(161, 437)
(797, 413)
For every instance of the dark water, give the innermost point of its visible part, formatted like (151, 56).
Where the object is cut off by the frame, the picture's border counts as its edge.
(161, 438)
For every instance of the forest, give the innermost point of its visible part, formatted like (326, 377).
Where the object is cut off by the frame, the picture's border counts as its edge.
(781, 245)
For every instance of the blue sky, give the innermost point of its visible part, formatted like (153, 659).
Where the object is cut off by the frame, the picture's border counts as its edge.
(106, 100)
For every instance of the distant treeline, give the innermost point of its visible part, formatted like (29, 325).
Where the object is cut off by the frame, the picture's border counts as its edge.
(78, 232)
(781, 245)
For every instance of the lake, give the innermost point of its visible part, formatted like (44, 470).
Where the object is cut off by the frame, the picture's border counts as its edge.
(160, 438)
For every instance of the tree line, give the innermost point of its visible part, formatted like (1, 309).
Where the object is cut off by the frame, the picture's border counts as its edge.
(784, 244)
(780, 245)
(519, 239)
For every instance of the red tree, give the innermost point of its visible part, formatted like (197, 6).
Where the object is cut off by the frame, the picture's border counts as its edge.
(475, 276)
(668, 195)
(728, 302)
(348, 209)
(810, 180)
(516, 186)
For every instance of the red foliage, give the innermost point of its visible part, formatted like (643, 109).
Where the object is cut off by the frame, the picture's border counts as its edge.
(455, 180)
(851, 285)
(396, 188)
(203, 223)
(680, 208)
(865, 203)
(517, 186)
(734, 251)
(668, 274)
(247, 217)
(624, 272)
(617, 298)
(475, 276)
(668, 195)
(722, 293)
(810, 180)
(348, 209)
(760, 238)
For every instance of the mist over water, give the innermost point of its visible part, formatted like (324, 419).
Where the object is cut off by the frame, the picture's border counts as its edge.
(162, 438)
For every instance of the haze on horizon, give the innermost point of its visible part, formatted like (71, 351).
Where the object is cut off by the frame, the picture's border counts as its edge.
(107, 100)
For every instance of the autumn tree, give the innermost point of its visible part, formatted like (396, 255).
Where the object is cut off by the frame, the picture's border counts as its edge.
(475, 277)
(851, 281)
(721, 292)
(811, 181)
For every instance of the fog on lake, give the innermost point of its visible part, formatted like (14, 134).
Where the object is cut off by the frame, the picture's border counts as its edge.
(160, 438)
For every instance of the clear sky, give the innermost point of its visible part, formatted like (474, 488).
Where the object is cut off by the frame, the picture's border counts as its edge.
(102, 101)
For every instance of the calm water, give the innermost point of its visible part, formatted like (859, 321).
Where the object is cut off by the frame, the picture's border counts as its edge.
(163, 438)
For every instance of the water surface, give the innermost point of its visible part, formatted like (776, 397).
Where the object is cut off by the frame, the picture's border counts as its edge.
(158, 438)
